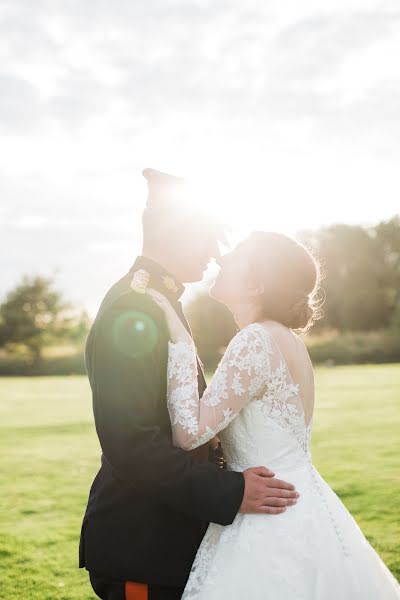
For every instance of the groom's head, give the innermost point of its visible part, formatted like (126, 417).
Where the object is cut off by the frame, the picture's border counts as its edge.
(176, 233)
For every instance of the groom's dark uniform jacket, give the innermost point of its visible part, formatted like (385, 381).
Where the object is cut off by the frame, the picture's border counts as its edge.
(150, 502)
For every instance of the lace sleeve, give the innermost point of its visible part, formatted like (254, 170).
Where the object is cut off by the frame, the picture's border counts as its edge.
(239, 378)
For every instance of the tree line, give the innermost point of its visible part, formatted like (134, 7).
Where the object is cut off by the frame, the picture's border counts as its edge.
(361, 285)
(361, 289)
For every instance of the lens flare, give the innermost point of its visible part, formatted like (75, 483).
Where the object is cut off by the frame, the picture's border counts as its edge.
(134, 334)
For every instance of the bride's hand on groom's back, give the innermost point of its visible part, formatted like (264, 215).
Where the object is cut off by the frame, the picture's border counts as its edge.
(264, 494)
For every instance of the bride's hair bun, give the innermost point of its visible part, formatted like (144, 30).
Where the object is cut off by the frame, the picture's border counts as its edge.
(300, 313)
(291, 277)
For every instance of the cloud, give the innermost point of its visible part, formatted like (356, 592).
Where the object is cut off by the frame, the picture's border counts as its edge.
(93, 91)
(19, 105)
(136, 65)
(79, 98)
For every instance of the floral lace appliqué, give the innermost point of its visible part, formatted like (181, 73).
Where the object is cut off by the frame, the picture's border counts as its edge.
(240, 375)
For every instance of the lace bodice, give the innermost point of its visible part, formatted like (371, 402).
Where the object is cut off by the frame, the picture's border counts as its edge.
(252, 380)
(257, 406)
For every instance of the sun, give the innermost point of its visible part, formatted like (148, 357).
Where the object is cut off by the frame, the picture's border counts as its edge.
(245, 203)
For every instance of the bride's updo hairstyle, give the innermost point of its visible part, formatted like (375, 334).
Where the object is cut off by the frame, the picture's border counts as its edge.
(291, 278)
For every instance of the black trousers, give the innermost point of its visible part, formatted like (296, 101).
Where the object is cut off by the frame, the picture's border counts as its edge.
(113, 589)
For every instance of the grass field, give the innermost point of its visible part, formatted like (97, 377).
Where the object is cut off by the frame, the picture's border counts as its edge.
(49, 455)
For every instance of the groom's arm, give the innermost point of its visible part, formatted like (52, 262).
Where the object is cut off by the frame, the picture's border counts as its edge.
(126, 385)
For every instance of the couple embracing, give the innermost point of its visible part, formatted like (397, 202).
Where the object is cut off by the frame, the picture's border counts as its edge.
(167, 516)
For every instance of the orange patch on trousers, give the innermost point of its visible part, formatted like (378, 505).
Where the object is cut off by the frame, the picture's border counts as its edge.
(136, 591)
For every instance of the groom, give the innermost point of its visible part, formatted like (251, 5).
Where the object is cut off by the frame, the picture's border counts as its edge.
(150, 503)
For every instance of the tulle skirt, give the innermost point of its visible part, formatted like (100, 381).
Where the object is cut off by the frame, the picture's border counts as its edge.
(313, 551)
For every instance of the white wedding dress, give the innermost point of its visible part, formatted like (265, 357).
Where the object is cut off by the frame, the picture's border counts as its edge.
(314, 550)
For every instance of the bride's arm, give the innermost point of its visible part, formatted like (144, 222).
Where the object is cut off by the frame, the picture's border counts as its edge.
(239, 377)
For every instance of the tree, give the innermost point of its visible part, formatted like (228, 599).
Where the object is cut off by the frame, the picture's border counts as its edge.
(387, 241)
(362, 267)
(212, 325)
(34, 315)
(361, 286)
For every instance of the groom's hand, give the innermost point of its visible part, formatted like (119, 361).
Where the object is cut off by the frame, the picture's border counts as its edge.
(265, 494)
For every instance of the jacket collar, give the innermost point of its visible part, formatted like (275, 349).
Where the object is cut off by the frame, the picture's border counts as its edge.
(159, 278)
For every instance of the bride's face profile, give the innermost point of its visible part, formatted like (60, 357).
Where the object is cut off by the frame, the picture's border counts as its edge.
(234, 283)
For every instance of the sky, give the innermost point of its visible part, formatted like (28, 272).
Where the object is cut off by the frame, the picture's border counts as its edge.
(283, 114)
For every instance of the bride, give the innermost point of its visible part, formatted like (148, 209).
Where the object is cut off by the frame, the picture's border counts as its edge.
(260, 402)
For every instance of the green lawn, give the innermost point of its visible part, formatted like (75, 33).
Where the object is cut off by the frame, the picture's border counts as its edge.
(49, 454)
